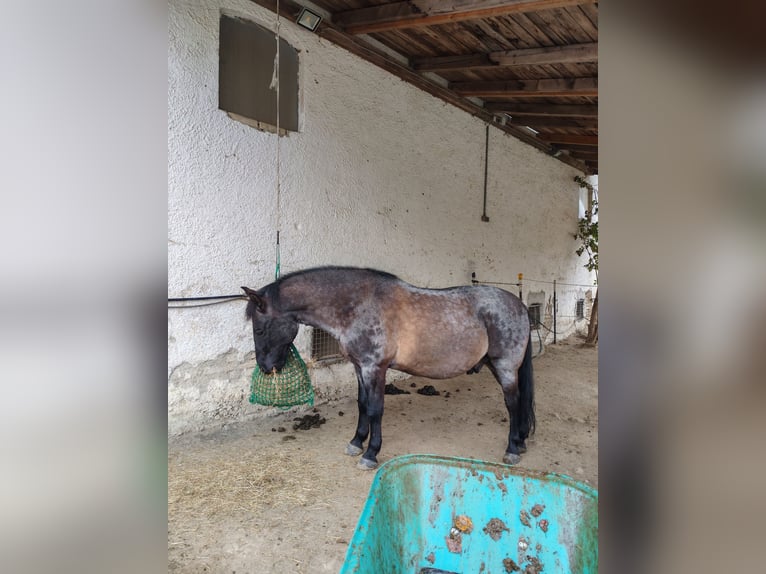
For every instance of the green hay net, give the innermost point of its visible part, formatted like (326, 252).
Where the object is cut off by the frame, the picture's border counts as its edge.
(287, 388)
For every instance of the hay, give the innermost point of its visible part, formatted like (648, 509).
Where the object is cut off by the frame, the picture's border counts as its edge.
(288, 388)
(217, 480)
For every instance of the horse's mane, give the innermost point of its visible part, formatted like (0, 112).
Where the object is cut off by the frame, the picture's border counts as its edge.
(335, 268)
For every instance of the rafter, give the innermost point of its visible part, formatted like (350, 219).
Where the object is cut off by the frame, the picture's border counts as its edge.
(554, 122)
(412, 13)
(559, 110)
(569, 139)
(544, 88)
(578, 148)
(585, 155)
(444, 63)
(529, 57)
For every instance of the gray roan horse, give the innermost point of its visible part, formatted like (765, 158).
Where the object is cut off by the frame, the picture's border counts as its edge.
(383, 323)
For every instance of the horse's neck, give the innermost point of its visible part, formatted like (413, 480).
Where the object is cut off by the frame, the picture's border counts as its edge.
(315, 302)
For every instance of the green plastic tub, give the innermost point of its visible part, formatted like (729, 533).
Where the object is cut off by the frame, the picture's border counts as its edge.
(429, 514)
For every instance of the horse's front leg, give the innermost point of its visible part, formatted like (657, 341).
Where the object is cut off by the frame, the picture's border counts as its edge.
(356, 446)
(374, 383)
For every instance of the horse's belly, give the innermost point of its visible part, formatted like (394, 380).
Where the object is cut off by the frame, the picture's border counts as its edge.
(439, 357)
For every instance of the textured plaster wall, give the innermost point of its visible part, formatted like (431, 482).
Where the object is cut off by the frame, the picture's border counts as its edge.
(381, 174)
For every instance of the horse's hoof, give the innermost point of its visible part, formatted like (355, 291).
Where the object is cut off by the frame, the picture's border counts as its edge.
(352, 450)
(510, 458)
(365, 464)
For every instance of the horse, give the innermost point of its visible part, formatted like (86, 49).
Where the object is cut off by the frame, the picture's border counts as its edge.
(381, 322)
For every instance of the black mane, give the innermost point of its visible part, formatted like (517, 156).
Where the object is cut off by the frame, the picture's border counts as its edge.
(382, 274)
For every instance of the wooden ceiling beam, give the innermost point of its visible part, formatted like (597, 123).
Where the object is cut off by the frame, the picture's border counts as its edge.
(414, 13)
(573, 53)
(558, 110)
(544, 88)
(445, 63)
(554, 122)
(569, 139)
(584, 155)
(575, 148)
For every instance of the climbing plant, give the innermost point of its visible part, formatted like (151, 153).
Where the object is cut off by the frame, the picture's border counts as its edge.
(587, 235)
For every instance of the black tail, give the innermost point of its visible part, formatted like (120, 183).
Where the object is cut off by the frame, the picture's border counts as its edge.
(526, 394)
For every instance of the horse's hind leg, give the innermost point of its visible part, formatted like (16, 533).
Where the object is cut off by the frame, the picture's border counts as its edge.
(506, 373)
(526, 398)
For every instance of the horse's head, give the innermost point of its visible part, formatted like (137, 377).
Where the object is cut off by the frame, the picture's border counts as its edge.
(272, 332)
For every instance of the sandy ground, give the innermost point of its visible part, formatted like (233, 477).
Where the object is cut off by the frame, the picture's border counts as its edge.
(250, 499)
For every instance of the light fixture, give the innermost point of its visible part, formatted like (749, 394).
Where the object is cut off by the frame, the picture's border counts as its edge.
(309, 19)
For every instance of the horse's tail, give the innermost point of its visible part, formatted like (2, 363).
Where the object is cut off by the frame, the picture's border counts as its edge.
(526, 394)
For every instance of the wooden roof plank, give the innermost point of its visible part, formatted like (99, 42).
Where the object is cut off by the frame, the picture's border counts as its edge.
(591, 12)
(521, 22)
(568, 27)
(513, 36)
(414, 13)
(585, 23)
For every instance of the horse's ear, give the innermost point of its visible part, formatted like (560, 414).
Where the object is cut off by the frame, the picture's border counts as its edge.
(259, 301)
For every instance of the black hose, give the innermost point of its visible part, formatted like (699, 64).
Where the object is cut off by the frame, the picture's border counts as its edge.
(213, 300)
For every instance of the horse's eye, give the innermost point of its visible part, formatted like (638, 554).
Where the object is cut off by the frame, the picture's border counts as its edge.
(259, 332)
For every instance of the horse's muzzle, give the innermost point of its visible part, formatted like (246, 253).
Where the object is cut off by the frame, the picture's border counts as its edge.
(270, 368)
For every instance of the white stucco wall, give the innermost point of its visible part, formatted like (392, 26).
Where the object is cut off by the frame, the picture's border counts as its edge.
(380, 175)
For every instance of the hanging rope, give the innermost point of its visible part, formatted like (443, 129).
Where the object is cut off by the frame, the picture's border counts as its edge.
(275, 86)
(292, 385)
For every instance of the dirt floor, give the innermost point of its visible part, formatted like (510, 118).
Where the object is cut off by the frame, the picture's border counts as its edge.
(262, 497)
